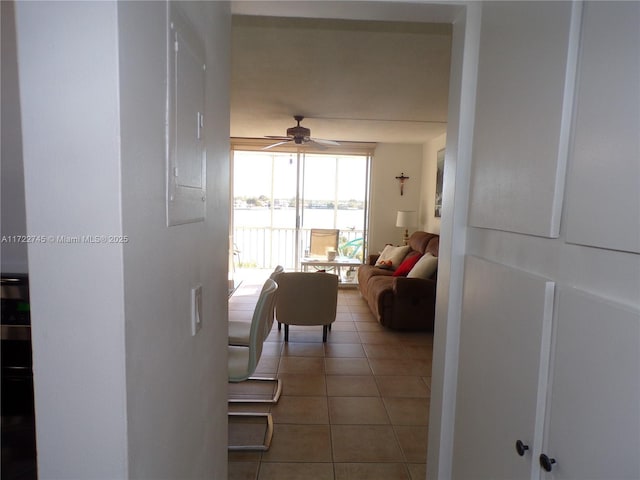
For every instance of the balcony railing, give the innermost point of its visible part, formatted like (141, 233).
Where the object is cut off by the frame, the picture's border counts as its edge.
(266, 247)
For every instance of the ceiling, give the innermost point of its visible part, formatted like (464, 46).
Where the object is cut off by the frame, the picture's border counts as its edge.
(353, 80)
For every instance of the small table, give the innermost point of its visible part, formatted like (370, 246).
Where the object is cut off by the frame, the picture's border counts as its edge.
(350, 278)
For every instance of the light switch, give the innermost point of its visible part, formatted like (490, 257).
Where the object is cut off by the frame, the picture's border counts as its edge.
(196, 309)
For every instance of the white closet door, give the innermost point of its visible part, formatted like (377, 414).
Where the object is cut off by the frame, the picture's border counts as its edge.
(594, 414)
(524, 71)
(608, 93)
(504, 345)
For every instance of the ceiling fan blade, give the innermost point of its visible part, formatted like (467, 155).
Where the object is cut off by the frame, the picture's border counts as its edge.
(314, 144)
(325, 142)
(277, 137)
(278, 143)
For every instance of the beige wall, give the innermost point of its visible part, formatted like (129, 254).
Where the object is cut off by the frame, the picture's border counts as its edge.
(389, 161)
(416, 161)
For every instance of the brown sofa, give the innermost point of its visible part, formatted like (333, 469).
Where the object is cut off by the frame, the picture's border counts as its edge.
(399, 302)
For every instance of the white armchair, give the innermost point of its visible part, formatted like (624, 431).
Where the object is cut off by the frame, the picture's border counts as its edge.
(306, 298)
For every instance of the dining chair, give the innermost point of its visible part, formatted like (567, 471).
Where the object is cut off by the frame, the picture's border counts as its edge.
(239, 329)
(243, 360)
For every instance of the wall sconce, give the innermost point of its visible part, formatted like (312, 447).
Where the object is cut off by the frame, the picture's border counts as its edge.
(406, 219)
(402, 179)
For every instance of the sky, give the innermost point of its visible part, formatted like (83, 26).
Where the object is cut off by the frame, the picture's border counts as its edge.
(253, 175)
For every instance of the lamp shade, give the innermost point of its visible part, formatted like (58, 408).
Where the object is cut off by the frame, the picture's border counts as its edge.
(406, 218)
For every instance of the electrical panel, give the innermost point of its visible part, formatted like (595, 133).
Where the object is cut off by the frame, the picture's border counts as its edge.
(186, 153)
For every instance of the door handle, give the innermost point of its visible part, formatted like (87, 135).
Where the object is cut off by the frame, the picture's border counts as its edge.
(546, 463)
(521, 448)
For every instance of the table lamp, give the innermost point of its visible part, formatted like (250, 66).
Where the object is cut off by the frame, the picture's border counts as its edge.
(406, 219)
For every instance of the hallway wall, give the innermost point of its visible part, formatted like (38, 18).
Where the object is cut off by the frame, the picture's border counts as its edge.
(123, 390)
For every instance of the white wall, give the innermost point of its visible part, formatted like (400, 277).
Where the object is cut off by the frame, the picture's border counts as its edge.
(176, 383)
(389, 161)
(426, 214)
(122, 388)
(13, 254)
(68, 67)
(453, 233)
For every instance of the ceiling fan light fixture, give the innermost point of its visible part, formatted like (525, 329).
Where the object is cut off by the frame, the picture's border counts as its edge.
(300, 135)
(298, 132)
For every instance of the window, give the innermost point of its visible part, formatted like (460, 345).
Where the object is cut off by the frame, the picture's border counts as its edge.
(278, 197)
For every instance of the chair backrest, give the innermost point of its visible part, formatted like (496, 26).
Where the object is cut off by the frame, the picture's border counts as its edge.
(276, 271)
(274, 275)
(307, 298)
(322, 241)
(352, 249)
(262, 316)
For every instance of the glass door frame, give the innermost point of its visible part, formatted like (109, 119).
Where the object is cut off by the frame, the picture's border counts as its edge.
(302, 157)
(346, 149)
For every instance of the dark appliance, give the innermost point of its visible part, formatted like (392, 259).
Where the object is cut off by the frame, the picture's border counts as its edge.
(18, 418)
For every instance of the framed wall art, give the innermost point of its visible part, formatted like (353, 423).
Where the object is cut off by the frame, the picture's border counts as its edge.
(439, 179)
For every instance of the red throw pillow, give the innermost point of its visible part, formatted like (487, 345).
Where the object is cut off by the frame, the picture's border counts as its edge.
(406, 265)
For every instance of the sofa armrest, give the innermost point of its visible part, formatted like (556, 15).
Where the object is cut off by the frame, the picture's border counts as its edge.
(404, 287)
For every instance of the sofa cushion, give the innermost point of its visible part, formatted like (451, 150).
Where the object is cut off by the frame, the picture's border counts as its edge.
(433, 246)
(392, 254)
(425, 267)
(419, 240)
(407, 264)
(365, 272)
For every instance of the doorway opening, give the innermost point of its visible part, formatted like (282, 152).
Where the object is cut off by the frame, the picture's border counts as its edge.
(465, 21)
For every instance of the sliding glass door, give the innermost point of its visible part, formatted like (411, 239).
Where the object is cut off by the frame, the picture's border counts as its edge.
(278, 197)
(334, 196)
(264, 209)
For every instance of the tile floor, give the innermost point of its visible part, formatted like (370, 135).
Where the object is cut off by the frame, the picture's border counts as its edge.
(354, 408)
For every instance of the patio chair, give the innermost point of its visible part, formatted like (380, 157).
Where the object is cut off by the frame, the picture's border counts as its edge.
(322, 241)
(351, 249)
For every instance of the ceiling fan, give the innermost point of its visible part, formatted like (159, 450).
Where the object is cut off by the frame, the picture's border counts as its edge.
(300, 136)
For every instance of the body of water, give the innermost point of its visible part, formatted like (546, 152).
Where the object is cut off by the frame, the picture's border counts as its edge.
(312, 218)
